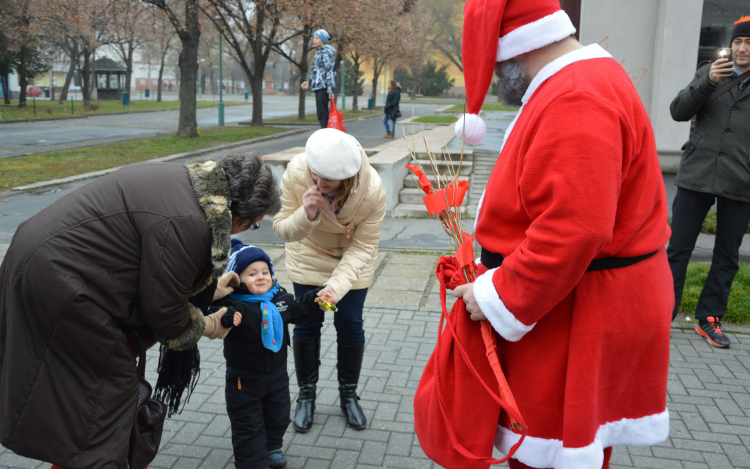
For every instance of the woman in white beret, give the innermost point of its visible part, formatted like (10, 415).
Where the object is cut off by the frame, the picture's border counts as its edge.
(333, 204)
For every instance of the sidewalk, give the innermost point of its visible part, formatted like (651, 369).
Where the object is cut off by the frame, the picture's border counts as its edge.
(709, 391)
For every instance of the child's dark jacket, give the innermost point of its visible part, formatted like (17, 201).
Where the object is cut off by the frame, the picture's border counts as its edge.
(243, 347)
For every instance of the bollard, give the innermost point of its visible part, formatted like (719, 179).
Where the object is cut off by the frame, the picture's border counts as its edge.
(72, 106)
(33, 100)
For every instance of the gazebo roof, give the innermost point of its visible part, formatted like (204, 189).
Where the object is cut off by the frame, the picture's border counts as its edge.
(107, 64)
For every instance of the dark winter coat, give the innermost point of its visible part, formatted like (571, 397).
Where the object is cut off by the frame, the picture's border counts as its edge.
(126, 250)
(243, 347)
(717, 157)
(391, 103)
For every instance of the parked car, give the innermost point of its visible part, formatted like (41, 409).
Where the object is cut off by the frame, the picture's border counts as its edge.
(32, 91)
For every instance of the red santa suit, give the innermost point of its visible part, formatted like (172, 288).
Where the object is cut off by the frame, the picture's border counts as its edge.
(585, 353)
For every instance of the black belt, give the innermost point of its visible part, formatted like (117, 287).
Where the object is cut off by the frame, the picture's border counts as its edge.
(493, 260)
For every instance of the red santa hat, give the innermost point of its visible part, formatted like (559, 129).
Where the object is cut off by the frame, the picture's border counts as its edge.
(498, 30)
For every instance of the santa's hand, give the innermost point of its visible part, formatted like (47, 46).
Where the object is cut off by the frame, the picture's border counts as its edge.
(467, 293)
(226, 284)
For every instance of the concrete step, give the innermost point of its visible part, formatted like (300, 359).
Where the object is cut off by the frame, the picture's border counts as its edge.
(442, 166)
(414, 211)
(410, 180)
(414, 196)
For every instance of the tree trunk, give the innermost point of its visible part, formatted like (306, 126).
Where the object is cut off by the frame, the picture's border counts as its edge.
(302, 75)
(6, 92)
(188, 61)
(129, 68)
(337, 68)
(161, 71)
(23, 79)
(85, 86)
(256, 86)
(377, 67)
(69, 77)
(303, 68)
(355, 88)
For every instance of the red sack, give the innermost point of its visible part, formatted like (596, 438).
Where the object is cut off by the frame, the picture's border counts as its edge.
(335, 118)
(456, 406)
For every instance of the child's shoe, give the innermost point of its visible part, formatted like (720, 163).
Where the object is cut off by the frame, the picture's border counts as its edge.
(277, 460)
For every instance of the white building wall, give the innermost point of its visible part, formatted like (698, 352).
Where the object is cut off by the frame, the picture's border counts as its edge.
(656, 41)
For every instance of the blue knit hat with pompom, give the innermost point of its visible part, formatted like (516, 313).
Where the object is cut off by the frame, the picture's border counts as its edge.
(242, 255)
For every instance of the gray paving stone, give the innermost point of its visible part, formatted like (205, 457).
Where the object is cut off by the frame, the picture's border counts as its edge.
(372, 453)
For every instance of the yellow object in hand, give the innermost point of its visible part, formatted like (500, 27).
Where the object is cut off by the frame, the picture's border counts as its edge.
(326, 305)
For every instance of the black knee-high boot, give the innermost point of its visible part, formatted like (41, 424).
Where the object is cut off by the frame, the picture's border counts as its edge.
(349, 366)
(306, 363)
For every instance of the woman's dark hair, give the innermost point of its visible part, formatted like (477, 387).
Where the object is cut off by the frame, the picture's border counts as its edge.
(255, 192)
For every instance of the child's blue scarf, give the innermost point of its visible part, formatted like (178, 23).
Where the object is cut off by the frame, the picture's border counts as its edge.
(272, 326)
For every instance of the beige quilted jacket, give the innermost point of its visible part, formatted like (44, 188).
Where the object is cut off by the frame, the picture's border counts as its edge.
(341, 249)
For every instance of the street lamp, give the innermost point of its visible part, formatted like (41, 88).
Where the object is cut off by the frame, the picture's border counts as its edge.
(221, 86)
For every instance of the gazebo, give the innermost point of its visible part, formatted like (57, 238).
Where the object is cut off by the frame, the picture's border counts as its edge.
(110, 78)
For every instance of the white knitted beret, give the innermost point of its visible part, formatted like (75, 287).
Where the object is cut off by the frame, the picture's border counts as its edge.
(333, 154)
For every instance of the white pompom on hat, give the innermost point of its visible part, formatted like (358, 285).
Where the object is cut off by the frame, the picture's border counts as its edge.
(333, 154)
(498, 30)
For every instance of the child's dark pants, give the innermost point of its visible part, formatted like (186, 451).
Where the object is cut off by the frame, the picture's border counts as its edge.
(258, 405)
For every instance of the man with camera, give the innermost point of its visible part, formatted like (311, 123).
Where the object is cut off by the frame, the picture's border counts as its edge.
(715, 167)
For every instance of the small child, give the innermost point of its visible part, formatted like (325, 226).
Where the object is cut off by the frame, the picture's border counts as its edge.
(257, 383)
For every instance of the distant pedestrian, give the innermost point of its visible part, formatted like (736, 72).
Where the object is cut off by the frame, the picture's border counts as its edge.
(322, 78)
(332, 209)
(392, 111)
(258, 312)
(714, 168)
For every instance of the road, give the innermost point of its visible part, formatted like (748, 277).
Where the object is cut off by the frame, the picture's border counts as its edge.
(25, 138)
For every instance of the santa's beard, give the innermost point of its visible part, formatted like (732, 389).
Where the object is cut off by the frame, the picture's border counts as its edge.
(513, 81)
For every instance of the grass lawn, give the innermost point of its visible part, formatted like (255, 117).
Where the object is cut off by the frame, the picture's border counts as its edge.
(46, 108)
(430, 101)
(485, 107)
(313, 118)
(21, 170)
(437, 119)
(738, 311)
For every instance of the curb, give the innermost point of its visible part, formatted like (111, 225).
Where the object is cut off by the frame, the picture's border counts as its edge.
(119, 113)
(310, 124)
(176, 156)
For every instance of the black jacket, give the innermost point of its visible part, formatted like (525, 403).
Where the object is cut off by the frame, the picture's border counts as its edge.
(717, 157)
(392, 101)
(243, 347)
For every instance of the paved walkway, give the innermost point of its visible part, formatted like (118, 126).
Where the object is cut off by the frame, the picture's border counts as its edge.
(709, 392)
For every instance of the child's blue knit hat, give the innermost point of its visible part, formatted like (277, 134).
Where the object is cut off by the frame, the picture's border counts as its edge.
(324, 35)
(242, 255)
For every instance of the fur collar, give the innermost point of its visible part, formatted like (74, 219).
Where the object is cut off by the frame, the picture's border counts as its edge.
(212, 189)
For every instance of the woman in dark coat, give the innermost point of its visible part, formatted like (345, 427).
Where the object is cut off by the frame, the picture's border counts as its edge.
(391, 111)
(126, 251)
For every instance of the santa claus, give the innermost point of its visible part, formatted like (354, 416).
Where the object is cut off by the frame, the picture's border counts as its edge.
(573, 227)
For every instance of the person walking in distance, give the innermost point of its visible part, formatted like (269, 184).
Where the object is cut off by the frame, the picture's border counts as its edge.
(391, 111)
(322, 78)
(714, 168)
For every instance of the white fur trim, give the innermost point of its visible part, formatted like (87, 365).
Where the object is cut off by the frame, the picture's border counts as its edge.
(472, 126)
(540, 452)
(532, 36)
(494, 309)
(594, 51)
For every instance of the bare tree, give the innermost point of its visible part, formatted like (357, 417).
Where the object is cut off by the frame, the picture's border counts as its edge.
(188, 30)
(445, 18)
(250, 28)
(128, 30)
(159, 43)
